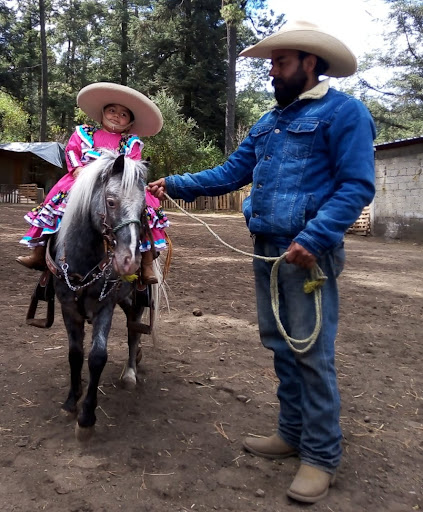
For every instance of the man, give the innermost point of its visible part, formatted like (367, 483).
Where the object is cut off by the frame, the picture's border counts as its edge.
(310, 161)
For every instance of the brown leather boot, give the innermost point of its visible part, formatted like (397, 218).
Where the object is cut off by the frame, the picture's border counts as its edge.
(36, 260)
(273, 447)
(147, 273)
(310, 484)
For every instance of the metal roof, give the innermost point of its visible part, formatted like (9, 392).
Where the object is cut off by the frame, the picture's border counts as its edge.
(399, 143)
(52, 152)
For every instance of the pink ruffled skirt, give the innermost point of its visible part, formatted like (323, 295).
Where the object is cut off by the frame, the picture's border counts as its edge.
(45, 218)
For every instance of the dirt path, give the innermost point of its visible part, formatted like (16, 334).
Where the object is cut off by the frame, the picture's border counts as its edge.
(174, 444)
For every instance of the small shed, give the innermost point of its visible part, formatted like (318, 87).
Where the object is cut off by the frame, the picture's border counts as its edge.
(397, 210)
(42, 163)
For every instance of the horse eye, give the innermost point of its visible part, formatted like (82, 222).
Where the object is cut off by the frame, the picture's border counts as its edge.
(111, 203)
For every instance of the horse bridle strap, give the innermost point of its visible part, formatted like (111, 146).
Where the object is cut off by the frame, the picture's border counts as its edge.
(126, 223)
(58, 271)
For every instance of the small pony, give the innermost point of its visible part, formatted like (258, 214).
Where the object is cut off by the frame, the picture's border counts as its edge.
(94, 259)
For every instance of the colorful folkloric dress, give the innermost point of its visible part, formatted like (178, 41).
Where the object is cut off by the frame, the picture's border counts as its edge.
(83, 147)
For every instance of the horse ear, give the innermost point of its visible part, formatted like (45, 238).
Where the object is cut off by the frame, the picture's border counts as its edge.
(119, 164)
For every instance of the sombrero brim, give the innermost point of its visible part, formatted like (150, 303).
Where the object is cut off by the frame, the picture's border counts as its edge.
(94, 97)
(310, 39)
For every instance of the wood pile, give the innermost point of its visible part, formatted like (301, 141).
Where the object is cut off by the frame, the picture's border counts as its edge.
(362, 225)
(28, 193)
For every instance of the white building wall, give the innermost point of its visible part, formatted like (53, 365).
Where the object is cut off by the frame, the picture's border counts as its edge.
(398, 205)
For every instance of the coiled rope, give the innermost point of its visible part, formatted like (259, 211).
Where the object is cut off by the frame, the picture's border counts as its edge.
(310, 286)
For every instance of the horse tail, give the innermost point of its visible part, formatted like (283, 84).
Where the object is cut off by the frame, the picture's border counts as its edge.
(168, 260)
(158, 291)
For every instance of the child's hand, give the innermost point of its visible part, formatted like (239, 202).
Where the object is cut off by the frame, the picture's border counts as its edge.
(157, 188)
(76, 171)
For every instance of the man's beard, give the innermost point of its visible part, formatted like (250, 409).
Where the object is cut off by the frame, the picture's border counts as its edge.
(287, 90)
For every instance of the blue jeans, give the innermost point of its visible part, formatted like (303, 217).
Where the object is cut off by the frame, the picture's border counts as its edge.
(308, 391)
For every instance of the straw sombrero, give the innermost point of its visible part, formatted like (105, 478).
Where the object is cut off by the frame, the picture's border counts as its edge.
(94, 97)
(305, 36)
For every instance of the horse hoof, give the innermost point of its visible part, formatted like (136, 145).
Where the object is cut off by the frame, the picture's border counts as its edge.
(129, 379)
(83, 434)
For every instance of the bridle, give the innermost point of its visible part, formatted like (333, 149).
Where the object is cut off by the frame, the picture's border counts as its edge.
(103, 268)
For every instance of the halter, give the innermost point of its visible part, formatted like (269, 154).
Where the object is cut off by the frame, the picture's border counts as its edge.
(102, 269)
(126, 223)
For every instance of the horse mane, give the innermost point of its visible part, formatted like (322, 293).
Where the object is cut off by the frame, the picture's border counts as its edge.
(82, 192)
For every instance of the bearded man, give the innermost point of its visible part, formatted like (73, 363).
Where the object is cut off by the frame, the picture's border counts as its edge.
(311, 165)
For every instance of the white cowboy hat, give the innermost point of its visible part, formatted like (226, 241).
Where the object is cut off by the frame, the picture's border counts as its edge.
(94, 97)
(307, 37)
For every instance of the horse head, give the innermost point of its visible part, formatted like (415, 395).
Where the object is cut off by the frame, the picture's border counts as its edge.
(124, 204)
(108, 199)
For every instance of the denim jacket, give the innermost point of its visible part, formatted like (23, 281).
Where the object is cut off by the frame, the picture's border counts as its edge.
(311, 165)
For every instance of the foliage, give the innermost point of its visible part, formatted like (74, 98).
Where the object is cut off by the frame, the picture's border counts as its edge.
(180, 46)
(176, 149)
(13, 120)
(252, 104)
(233, 12)
(148, 44)
(397, 102)
(260, 23)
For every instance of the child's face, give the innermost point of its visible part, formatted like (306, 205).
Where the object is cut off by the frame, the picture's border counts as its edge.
(117, 114)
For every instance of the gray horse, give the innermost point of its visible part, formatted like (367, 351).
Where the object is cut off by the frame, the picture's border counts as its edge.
(96, 254)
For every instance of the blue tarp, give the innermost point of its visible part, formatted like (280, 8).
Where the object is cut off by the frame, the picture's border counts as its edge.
(52, 152)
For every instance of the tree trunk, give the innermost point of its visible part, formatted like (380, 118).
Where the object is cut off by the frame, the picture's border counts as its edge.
(44, 78)
(231, 33)
(188, 60)
(124, 45)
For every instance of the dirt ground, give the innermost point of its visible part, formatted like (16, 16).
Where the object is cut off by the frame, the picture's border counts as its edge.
(174, 444)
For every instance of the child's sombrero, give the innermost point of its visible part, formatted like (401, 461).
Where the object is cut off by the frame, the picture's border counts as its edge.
(94, 97)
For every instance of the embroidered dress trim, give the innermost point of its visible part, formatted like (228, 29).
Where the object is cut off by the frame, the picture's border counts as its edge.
(156, 217)
(159, 245)
(130, 144)
(92, 154)
(85, 133)
(72, 158)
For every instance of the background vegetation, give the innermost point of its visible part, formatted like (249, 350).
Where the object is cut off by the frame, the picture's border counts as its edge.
(182, 54)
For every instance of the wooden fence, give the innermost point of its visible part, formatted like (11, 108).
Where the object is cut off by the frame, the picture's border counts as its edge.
(233, 202)
(228, 202)
(25, 193)
(9, 194)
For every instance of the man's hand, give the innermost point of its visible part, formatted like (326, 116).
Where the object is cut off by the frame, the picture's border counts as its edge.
(300, 256)
(157, 188)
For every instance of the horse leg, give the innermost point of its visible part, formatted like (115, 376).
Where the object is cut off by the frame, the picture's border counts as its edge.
(74, 324)
(133, 312)
(96, 361)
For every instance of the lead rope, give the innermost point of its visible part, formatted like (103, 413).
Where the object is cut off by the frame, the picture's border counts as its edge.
(314, 285)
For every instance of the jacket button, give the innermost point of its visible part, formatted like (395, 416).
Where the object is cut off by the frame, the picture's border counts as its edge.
(267, 157)
(259, 185)
(255, 215)
(277, 130)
